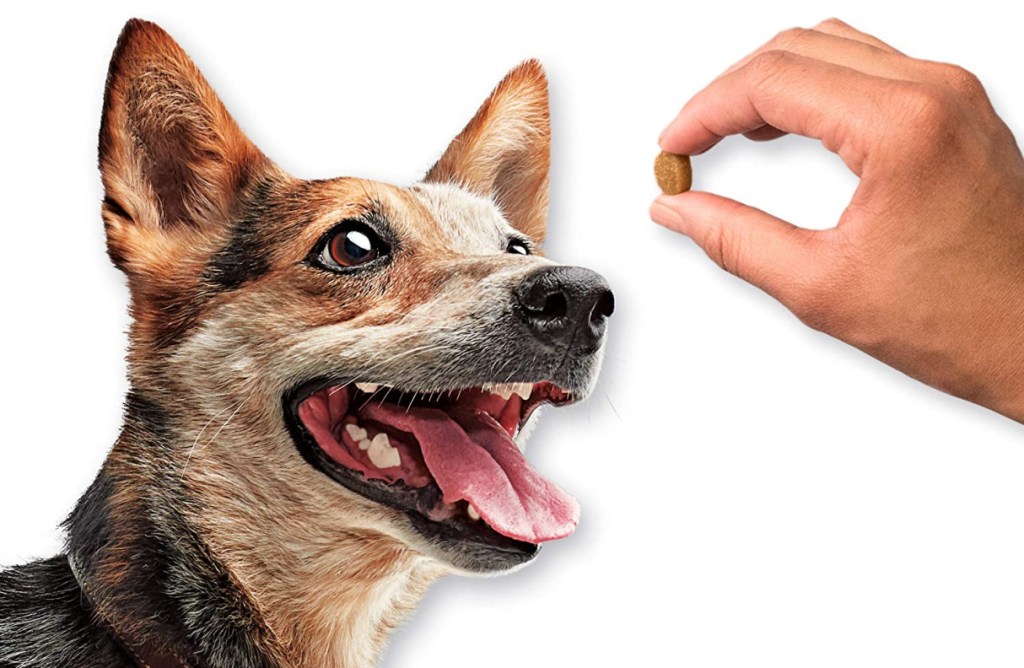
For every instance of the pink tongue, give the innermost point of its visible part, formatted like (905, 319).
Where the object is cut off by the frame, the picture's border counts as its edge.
(475, 460)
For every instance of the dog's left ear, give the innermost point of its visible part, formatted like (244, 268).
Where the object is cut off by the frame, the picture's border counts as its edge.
(505, 151)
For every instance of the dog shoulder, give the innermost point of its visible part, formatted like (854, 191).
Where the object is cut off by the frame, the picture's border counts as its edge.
(44, 624)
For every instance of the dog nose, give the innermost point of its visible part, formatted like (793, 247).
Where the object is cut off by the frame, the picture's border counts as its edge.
(566, 306)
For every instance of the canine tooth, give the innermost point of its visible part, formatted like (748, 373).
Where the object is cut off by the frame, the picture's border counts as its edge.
(369, 388)
(504, 390)
(471, 511)
(382, 455)
(356, 432)
(524, 390)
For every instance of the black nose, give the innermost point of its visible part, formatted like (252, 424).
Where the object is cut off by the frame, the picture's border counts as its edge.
(566, 306)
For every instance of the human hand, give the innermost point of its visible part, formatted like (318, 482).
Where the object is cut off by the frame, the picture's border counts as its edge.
(925, 268)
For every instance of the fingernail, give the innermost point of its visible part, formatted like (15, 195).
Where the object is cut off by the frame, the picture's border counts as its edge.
(661, 137)
(665, 215)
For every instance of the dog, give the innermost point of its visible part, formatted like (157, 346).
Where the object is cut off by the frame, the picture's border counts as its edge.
(330, 386)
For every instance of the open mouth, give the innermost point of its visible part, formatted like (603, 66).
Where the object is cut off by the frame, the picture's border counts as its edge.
(449, 459)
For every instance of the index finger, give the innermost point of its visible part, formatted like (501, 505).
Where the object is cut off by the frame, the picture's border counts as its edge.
(838, 105)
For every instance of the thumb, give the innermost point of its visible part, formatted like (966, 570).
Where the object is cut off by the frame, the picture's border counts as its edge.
(778, 257)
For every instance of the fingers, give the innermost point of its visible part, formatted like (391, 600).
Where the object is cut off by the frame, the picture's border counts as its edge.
(764, 133)
(841, 29)
(850, 53)
(850, 76)
(776, 256)
(789, 92)
(832, 41)
(856, 54)
(836, 42)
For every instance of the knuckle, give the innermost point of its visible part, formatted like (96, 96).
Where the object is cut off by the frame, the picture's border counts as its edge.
(931, 114)
(716, 245)
(731, 252)
(767, 64)
(963, 81)
(790, 37)
(927, 103)
(832, 22)
(726, 249)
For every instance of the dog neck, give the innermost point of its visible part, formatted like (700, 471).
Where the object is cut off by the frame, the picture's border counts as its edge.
(329, 592)
(159, 578)
(144, 569)
(333, 608)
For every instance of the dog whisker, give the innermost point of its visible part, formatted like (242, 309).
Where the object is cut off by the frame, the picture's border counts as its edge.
(199, 436)
(339, 388)
(227, 310)
(213, 438)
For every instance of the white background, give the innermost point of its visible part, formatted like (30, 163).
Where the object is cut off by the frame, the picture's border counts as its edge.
(759, 495)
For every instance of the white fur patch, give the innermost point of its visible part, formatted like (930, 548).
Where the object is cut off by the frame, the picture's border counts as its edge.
(473, 223)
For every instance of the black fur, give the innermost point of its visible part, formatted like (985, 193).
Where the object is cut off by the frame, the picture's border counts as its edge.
(142, 563)
(46, 623)
(243, 258)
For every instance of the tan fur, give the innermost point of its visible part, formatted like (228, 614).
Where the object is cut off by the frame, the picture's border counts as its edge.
(294, 529)
(328, 572)
(504, 152)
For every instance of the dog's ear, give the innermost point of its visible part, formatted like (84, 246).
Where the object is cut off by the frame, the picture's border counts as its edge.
(505, 151)
(172, 158)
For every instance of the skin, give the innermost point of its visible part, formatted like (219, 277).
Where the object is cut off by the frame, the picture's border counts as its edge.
(923, 270)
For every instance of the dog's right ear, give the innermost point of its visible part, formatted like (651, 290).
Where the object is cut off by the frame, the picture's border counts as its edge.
(173, 160)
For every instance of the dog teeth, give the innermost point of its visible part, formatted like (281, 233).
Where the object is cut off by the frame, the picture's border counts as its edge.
(503, 391)
(524, 390)
(471, 511)
(357, 433)
(381, 454)
(369, 388)
(506, 390)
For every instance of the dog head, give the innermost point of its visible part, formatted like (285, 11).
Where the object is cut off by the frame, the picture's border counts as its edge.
(346, 357)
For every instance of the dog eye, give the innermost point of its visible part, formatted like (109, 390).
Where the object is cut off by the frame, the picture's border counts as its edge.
(351, 244)
(518, 247)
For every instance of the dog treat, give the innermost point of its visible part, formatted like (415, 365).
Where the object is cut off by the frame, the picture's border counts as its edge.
(673, 172)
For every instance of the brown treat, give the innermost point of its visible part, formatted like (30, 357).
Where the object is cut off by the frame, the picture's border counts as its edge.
(673, 172)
